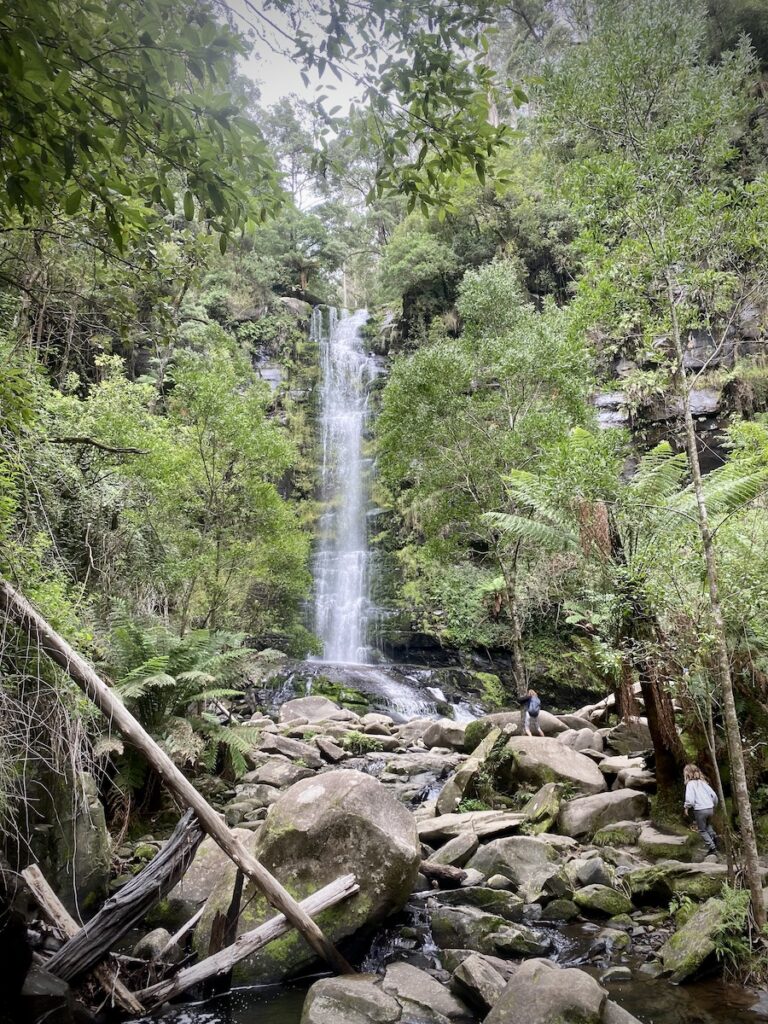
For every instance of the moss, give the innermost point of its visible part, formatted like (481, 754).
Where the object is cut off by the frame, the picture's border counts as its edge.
(494, 694)
(145, 851)
(475, 733)
(602, 900)
(613, 837)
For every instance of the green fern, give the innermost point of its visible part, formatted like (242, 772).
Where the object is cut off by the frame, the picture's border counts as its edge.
(551, 537)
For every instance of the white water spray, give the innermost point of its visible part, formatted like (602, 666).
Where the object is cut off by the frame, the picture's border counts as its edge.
(341, 566)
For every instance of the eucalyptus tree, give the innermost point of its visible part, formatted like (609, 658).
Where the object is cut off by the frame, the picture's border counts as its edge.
(653, 135)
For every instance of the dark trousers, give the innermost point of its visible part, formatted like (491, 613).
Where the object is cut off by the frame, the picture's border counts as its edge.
(704, 825)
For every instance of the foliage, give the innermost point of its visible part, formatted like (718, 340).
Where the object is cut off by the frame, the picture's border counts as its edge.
(358, 743)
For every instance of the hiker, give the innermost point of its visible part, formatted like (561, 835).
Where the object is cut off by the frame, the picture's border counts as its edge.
(532, 709)
(702, 799)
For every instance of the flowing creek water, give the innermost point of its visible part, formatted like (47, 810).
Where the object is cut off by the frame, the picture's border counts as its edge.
(342, 614)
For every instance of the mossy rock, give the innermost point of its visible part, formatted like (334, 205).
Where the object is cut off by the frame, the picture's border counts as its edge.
(601, 899)
(145, 852)
(331, 825)
(620, 834)
(686, 952)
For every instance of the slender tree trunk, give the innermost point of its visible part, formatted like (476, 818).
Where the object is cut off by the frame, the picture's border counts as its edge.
(510, 595)
(739, 784)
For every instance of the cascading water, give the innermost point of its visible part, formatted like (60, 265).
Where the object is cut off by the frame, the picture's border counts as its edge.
(342, 558)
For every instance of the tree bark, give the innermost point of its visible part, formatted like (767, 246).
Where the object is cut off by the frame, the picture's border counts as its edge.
(739, 784)
(128, 906)
(58, 915)
(246, 944)
(20, 611)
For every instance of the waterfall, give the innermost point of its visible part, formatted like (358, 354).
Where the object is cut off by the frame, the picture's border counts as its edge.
(341, 563)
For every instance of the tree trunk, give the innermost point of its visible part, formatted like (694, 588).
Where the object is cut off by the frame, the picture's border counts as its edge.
(667, 749)
(739, 784)
(128, 906)
(20, 611)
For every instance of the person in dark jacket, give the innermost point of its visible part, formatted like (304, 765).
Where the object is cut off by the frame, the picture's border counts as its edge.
(532, 706)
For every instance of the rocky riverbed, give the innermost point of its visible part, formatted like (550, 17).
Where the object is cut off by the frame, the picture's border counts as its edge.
(501, 878)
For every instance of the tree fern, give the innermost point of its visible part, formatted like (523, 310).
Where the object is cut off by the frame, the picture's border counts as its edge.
(658, 476)
(555, 537)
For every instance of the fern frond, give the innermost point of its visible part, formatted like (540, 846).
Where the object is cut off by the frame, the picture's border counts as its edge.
(138, 687)
(532, 531)
(529, 492)
(215, 693)
(659, 474)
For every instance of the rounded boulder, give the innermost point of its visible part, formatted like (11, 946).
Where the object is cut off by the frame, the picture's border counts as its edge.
(335, 824)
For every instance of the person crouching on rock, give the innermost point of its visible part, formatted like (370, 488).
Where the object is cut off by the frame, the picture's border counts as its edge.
(532, 708)
(702, 800)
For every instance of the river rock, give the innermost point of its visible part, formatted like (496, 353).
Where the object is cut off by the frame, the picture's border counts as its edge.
(614, 1014)
(541, 760)
(152, 944)
(294, 750)
(621, 762)
(660, 845)
(333, 824)
(636, 778)
(630, 737)
(587, 870)
(685, 952)
(350, 999)
(582, 739)
(577, 722)
(331, 751)
(457, 851)
(280, 772)
(445, 732)
(421, 997)
(480, 983)
(602, 899)
(658, 884)
(413, 731)
(542, 809)
(589, 814)
(511, 722)
(211, 867)
(500, 902)
(314, 709)
(559, 910)
(44, 997)
(454, 789)
(543, 993)
(468, 928)
(620, 833)
(479, 823)
(526, 861)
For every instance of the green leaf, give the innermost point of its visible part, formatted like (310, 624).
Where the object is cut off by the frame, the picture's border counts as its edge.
(189, 205)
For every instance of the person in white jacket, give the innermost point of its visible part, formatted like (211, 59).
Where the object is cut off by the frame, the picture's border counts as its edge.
(702, 800)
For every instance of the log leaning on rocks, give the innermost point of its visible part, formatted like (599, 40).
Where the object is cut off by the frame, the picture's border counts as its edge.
(20, 611)
(246, 944)
(60, 918)
(128, 906)
(450, 876)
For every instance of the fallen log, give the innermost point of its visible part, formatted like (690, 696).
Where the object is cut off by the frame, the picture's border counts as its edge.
(20, 611)
(129, 905)
(60, 918)
(450, 876)
(247, 943)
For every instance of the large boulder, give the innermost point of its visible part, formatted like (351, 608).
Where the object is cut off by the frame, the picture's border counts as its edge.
(314, 709)
(602, 899)
(630, 737)
(469, 928)
(582, 739)
(322, 828)
(686, 952)
(589, 814)
(476, 979)
(510, 722)
(667, 845)
(528, 863)
(445, 732)
(660, 883)
(350, 999)
(543, 993)
(211, 867)
(479, 823)
(540, 760)
(405, 994)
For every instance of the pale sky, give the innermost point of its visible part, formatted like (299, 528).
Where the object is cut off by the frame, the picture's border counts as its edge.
(277, 75)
